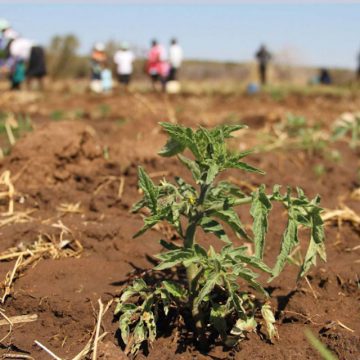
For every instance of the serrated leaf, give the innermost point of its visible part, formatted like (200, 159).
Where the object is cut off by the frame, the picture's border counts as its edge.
(192, 166)
(243, 166)
(250, 277)
(254, 262)
(289, 240)
(260, 209)
(171, 148)
(150, 221)
(182, 135)
(232, 219)
(173, 258)
(150, 190)
(206, 289)
(212, 226)
(212, 171)
(139, 205)
(174, 289)
(227, 130)
(316, 245)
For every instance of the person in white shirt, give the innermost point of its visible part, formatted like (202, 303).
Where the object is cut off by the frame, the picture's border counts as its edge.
(20, 49)
(124, 59)
(175, 59)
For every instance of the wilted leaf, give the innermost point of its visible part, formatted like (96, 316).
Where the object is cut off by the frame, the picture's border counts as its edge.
(269, 318)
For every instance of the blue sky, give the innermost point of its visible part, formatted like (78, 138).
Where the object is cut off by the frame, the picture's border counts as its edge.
(311, 34)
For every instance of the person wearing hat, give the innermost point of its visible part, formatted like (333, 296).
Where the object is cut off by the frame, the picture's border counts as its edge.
(19, 51)
(98, 59)
(124, 59)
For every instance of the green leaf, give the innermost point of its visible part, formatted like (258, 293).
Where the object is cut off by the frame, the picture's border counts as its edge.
(217, 318)
(139, 285)
(254, 262)
(243, 166)
(171, 148)
(228, 129)
(206, 289)
(260, 209)
(169, 245)
(150, 190)
(212, 171)
(174, 289)
(325, 353)
(184, 136)
(212, 226)
(139, 205)
(192, 166)
(250, 277)
(316, 246)
(232, 219)
(124, 323)
(173, 258)
(150, 221)
(138, 336)
(289, 240)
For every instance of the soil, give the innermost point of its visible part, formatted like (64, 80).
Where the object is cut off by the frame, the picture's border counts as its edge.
(82, 157)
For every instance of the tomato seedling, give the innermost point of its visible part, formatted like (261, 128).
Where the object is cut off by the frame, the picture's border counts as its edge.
(214, 295)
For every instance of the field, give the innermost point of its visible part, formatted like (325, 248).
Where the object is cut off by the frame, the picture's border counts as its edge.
(68, 241)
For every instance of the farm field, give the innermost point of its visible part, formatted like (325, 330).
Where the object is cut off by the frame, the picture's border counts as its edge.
(68, 241)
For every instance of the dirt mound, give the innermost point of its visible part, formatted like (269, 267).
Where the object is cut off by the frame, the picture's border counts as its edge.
(55, 152)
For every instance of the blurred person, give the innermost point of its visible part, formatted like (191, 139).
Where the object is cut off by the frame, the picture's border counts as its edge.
(106, 79)
(124, 59)
(18, 75)
(263, 56)
(97, 60)
(175, 59)
(358, 69)
(18, 52)
(324, 77)
(157, 66)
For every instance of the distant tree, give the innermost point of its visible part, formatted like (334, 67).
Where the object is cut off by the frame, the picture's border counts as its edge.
(63, 58)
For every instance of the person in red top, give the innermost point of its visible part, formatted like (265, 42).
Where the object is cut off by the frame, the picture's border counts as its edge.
(157, 65)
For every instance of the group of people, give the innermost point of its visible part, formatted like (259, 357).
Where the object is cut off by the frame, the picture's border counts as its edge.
(161, 66)
(20, 58)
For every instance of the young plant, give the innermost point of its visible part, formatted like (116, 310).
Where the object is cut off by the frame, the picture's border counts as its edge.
(348, 124)
(216, 295)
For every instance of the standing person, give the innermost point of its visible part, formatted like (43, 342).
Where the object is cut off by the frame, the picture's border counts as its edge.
(263, 56)
(19, 51)
(157, 65)
(358, 69)
(175, 59)
(124, 59)
(106, 79)
(97, 60)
